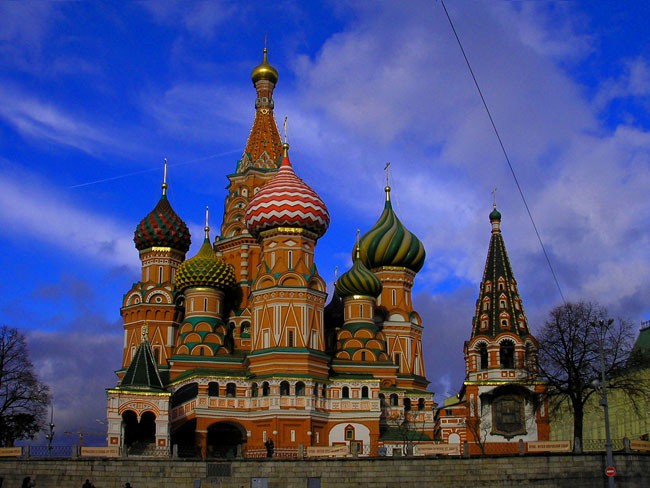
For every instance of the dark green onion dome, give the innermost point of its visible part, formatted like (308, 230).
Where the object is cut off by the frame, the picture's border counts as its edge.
(389, 243)
(162, 227)
(359, 280)
(205, 269)
(265, 71)
(495, 214)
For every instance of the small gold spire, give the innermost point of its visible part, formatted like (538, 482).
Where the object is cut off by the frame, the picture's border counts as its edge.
(284, 129)
(357, 251)
(207, 227)
(164, 185)
(387, 188)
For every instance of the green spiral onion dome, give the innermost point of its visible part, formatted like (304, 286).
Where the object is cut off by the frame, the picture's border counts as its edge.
(205, 269)
(162, 227)
(389, 243)
(359, 280)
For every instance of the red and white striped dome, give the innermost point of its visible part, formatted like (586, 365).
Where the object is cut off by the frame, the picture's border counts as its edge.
(287, 201)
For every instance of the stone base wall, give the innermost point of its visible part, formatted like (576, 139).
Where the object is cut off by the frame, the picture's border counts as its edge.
(571, 471)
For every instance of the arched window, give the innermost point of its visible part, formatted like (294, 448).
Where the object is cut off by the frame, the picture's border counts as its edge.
(507, 354)
(284, 388)
(346, 392)
(213, 389)
(290, 335)
(231, 390)
(364, 392)
(265, 388)
(483, 355)
(300, 389)
(324, 391)
(315, 390)
(421, 404)
(254, 389)
(407, 404)
(382, 400)
(393, 400)
(245, 330)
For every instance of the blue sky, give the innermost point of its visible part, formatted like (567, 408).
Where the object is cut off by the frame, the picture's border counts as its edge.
(93, 96)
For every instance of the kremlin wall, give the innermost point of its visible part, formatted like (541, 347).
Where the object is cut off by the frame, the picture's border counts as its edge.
(545, 471)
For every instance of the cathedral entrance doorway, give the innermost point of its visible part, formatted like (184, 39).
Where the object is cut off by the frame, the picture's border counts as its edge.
(184, 438)
(138, 435)
(225, 439)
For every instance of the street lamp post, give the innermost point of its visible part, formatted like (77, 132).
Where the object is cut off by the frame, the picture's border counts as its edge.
(605, 405)
(50, 435)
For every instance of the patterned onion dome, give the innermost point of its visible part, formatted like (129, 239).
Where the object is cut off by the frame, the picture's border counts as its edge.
(287, 201)
(264, 71)
(389, 243)
(162, 227)
(205, 269)
(359, 280)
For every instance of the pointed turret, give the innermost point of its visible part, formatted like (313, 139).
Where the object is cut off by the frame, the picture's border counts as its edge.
(501, 384)
(142, 373)
(498, 308)
(264, 146)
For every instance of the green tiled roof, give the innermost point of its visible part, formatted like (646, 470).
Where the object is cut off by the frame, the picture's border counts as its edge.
(142, 373)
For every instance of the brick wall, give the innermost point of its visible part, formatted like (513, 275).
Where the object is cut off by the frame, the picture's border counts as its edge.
(574, 471)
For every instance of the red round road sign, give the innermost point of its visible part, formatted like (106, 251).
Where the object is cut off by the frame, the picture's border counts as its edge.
(610, 471)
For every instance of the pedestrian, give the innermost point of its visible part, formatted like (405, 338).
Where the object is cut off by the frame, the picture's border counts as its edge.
(269, 448)
(27, 482)
(127, 485)
(87, 484)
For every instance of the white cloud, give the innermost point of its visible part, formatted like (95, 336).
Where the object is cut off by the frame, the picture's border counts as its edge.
(44, 121)
(30, 206)
(198, 18)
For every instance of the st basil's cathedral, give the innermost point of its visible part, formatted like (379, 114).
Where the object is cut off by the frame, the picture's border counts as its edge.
(237, 351)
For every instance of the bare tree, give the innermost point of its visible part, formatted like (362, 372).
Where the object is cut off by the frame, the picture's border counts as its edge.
(479, 428)
(570, 356)
(23, 399)
(409, 427)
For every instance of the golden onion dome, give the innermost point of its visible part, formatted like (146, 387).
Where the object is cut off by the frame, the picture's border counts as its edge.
(264, 71)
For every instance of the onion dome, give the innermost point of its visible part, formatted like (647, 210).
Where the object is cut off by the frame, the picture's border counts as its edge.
(162, 227)
(359, 280)
(389, 243)
(287, 201)
(495, 219)
(495, 214)
(205, 269)
(264, 71)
